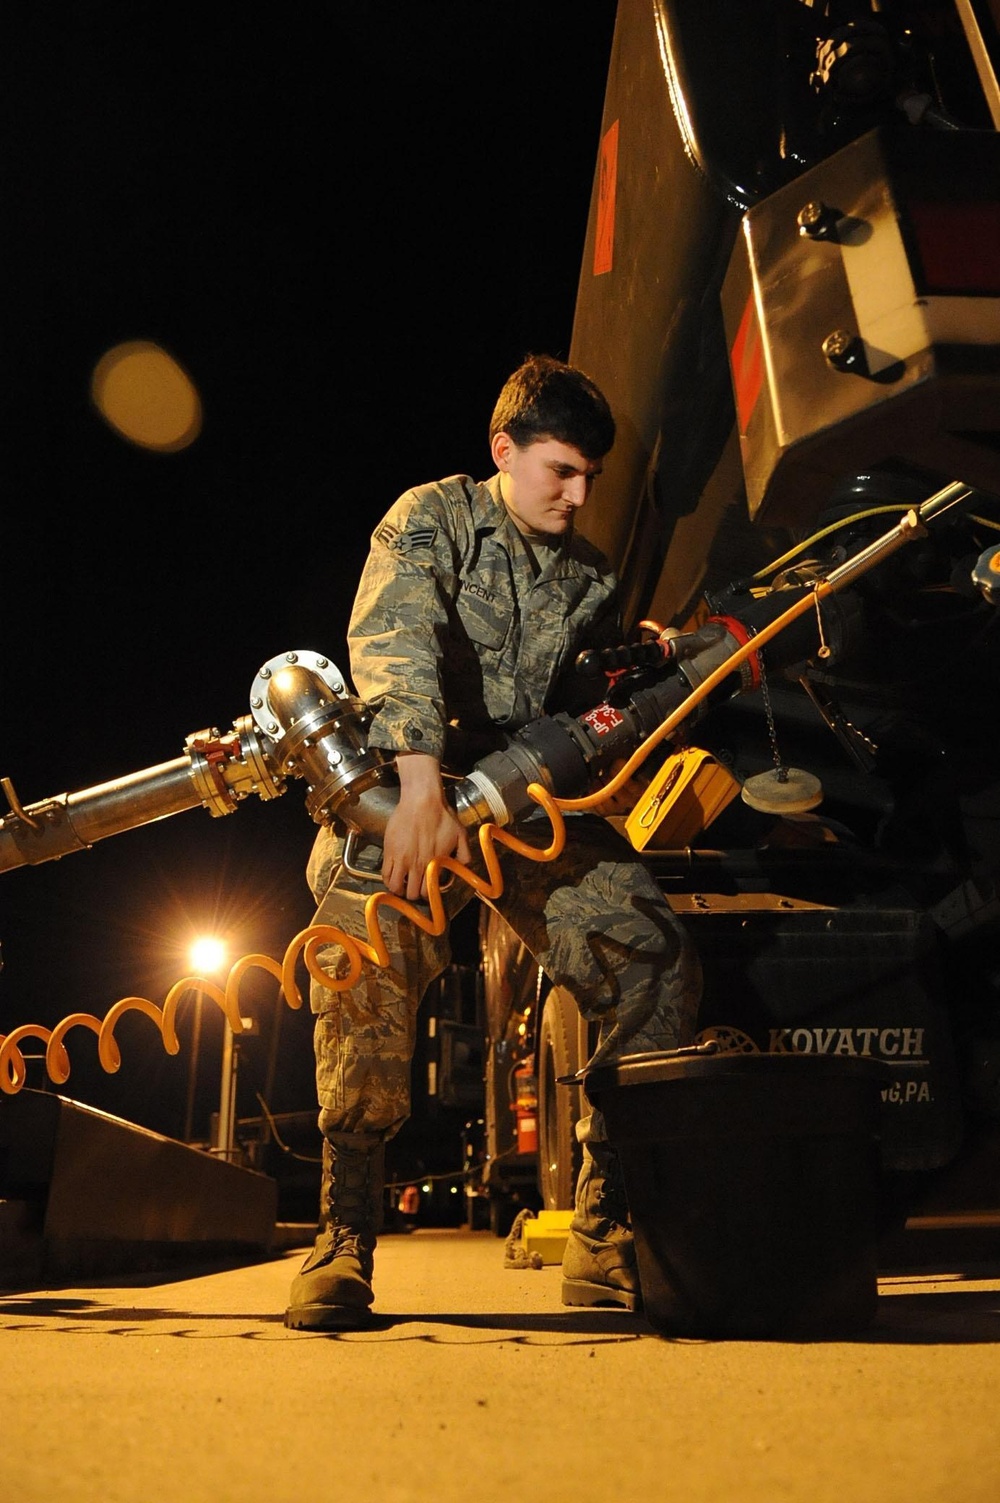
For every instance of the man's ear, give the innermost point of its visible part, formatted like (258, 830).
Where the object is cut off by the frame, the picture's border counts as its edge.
(501, 449)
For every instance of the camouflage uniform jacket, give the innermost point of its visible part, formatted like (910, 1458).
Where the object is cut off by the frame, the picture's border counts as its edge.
(454, 639)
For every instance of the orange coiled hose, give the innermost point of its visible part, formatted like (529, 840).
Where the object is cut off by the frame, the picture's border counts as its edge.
(309, 941)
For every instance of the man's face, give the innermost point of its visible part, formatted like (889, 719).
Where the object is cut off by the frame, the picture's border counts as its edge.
(544, 484)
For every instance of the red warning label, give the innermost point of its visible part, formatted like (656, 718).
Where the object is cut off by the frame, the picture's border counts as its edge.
(607, 182)
(602, 720)
(747, 360)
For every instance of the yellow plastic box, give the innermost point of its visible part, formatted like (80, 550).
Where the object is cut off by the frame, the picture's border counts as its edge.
(682, 799)
(546, 1234)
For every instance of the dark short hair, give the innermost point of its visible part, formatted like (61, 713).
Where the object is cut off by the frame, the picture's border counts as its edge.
(545, 398)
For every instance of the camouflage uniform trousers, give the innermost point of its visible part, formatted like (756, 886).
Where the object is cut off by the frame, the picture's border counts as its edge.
(594, 919)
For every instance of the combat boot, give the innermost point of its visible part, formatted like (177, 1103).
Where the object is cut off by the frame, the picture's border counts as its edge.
(333, 1288)
(599, 1266)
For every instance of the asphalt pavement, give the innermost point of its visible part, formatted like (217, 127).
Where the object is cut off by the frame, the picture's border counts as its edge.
(474, 1381)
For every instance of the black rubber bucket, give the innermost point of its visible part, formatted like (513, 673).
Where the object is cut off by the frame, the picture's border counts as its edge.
(753, 1185)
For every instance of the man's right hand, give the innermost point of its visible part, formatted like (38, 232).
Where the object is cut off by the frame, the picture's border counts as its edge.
(423, 827)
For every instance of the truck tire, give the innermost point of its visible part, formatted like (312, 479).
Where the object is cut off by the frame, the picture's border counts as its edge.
(559, 1154)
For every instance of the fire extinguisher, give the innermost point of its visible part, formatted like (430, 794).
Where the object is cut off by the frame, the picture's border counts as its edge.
(526, 1106)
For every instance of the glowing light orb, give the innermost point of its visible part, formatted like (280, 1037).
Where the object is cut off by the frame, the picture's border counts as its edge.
(143, 394)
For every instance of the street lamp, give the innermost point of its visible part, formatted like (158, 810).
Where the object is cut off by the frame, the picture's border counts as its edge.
(208, 957)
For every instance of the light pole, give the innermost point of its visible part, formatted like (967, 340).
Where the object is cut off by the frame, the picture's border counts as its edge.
(225, 1134)
(208, 958)
(199, 1002)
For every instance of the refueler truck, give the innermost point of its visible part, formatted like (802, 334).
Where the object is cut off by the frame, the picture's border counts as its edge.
(790, 292)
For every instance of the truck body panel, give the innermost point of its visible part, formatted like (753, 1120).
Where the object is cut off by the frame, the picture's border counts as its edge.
(790, 291)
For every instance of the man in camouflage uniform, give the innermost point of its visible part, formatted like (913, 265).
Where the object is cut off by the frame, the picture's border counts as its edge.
(473, 604)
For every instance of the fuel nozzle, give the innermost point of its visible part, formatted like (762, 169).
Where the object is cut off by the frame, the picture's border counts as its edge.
(671, 646)
(614, 660)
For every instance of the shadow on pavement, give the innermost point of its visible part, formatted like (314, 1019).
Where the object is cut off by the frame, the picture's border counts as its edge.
(939, 1318)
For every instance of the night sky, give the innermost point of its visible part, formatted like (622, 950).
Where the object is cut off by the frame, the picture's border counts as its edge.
(348, 224)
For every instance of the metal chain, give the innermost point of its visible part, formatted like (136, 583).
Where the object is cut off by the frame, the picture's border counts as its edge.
(781, 771)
